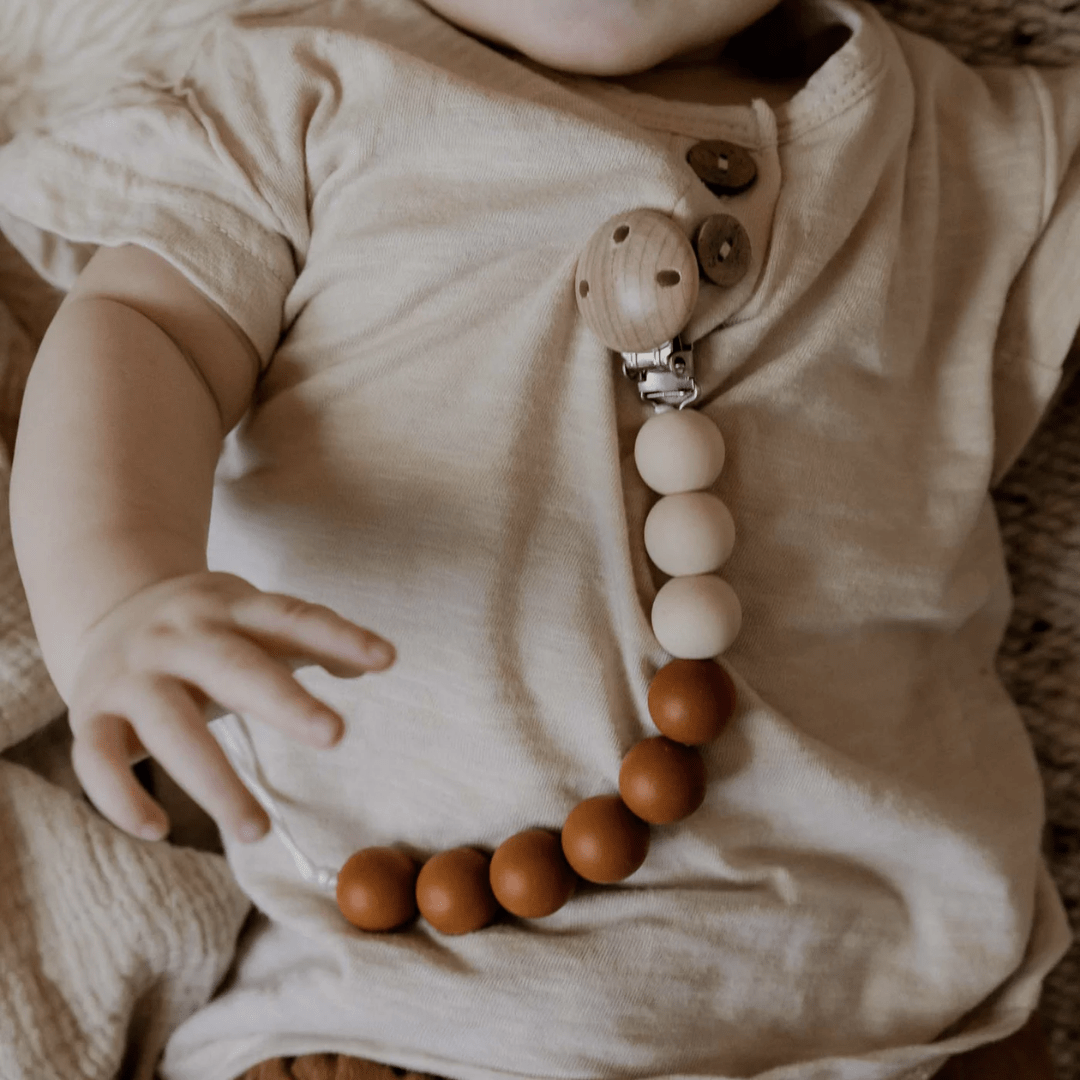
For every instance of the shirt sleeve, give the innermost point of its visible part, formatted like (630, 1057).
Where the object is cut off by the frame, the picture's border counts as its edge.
(1042, 311)
(209, 174)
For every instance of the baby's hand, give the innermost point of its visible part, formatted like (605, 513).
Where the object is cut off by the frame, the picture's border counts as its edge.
(148, 669)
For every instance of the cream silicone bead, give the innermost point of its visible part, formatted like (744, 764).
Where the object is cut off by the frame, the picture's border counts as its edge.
(689, 533)
(679, 451)
(696, 617)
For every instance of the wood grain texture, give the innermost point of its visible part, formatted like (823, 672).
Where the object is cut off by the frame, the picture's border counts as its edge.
(637, 281)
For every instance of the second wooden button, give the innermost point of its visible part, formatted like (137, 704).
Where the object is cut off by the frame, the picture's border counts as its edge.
(723, 250)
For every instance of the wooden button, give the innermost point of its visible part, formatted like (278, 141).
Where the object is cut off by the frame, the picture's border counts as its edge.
(724, 168)
(723, 250)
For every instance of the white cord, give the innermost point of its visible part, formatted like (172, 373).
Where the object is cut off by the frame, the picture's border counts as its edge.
(233, 734)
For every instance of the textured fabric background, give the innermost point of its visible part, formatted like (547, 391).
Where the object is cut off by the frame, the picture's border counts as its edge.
(995, 31)
(1039, 507)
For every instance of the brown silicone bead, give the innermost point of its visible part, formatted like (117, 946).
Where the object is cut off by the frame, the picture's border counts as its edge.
(691, 701)
(603, 841)
(453, 891)
(724, 168)
(376, 888)
(662, 781)
(723, 249)
(529, 874)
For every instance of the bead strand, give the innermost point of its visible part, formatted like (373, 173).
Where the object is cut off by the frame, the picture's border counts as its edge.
(689, 533)
(636, 287)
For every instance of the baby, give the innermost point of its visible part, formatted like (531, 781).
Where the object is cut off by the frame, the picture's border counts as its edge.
(321, 405)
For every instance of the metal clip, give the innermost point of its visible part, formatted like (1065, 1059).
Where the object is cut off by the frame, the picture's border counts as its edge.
(664, 376)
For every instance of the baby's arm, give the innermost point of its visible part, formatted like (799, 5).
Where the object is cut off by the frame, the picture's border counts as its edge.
(137, 381)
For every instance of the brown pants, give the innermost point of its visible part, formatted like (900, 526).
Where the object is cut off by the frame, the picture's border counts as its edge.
(1023, 1056)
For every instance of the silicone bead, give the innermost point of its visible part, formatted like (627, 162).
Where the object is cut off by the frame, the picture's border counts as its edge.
(603, 841)
(453, 891)
(690, 533)
(696, 617)
(529, 874)
(662, 781)
(376, 888)
(679, 451)
(691, 701)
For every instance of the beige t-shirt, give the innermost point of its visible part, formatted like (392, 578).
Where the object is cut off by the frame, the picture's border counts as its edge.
(440, 449)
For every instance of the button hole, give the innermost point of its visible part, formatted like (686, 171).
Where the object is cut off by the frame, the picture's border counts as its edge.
(620, 234)
(583, 289)
(667, 278)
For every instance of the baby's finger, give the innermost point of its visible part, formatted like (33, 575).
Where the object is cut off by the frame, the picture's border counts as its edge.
(243, 678)
(101, 756)
(290, 626)
(136, 752)
(172, 728)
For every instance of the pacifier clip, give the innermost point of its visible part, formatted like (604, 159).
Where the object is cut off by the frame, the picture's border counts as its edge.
(636, 287)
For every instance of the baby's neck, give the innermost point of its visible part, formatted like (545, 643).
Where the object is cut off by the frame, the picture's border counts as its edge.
(710, 80)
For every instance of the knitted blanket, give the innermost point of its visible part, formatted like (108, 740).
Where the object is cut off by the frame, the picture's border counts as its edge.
(106, 943)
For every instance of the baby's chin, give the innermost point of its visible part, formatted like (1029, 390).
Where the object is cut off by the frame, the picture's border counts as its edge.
(610, 61)
(603, 37)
